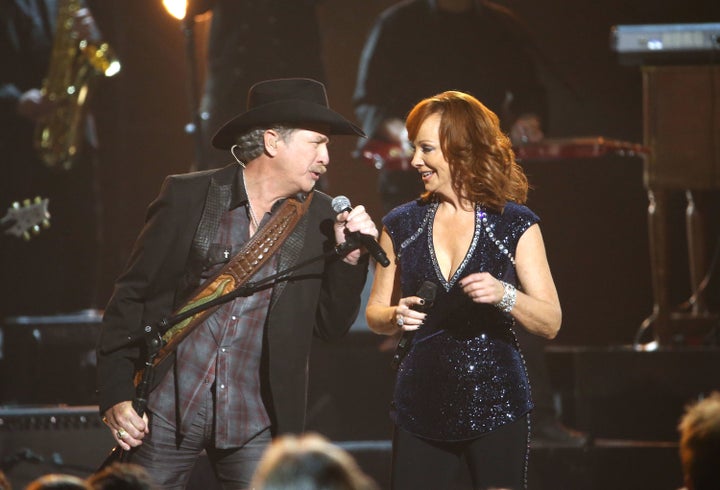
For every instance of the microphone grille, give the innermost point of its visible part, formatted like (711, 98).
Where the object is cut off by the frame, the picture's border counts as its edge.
(340, 204)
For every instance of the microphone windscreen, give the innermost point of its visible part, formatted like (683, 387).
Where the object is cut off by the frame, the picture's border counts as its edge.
(340, 204)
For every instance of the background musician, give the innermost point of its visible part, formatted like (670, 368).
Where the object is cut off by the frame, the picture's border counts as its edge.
(56, 271)
(250, 41)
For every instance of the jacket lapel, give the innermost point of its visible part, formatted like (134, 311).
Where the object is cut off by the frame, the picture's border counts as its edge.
(217, 201)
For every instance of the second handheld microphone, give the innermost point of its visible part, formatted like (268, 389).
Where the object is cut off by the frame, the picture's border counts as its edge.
(427, 292)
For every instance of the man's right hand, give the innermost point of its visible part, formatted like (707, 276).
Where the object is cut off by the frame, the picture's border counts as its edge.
(127, 427)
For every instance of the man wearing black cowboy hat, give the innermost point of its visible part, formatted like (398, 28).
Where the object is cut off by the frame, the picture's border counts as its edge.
(240, 376)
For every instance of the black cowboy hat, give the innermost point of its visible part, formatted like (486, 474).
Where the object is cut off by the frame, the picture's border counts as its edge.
(294, 101)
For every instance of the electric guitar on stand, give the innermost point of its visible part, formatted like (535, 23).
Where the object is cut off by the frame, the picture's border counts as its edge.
(26, 219)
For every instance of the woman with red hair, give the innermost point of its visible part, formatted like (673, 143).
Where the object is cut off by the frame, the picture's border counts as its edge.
(462, 390)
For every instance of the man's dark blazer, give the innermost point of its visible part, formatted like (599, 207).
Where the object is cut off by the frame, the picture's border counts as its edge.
(322, 298)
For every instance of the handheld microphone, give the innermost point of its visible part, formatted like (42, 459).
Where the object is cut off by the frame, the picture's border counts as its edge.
(427, 292)
(341, 204)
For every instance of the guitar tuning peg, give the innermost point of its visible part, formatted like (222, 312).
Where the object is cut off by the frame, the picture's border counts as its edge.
(37, 200)
(16, 205)
(26, 235)
(36, 229)
(26, 202)
(46, 224)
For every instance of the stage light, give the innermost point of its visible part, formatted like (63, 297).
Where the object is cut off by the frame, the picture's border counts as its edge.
(176, 8)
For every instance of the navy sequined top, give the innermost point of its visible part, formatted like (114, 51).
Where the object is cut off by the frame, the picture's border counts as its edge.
(464, 374)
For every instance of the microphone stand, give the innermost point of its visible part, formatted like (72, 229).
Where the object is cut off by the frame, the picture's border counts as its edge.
(152, 334)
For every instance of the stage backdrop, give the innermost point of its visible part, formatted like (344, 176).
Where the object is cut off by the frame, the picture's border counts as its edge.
(593, 211)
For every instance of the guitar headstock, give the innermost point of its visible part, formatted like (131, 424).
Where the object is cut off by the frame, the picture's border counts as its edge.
(26, 219)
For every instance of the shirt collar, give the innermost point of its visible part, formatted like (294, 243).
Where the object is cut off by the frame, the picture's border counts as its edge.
(239, 196)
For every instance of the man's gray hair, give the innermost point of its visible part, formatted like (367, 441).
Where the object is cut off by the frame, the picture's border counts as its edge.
(251, 144)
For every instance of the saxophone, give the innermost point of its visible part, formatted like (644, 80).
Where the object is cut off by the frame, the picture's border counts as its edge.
(74, 66)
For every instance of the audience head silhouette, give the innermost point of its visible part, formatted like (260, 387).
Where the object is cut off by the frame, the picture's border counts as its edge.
(309, 462)
(700, 443)
(121, 476)
(4, 481)
(58, 481)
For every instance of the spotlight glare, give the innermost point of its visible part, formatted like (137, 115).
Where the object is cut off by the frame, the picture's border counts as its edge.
(176, 8)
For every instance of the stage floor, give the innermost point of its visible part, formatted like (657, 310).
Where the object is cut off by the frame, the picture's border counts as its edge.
(628, 401)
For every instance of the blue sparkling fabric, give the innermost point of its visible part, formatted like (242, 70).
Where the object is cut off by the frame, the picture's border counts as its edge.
(464, 374)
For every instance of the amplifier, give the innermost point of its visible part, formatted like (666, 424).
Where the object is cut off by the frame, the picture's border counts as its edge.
(36, 440)
(671, 43)
(51, 358)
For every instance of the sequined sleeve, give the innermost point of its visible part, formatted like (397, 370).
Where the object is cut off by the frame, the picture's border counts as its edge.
(517, 219)
(406, 223)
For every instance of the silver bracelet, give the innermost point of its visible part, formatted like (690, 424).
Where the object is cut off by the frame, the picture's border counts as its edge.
(507, 302)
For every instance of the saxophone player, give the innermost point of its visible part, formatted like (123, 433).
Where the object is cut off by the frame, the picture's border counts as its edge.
(55, 273)
(33, 104)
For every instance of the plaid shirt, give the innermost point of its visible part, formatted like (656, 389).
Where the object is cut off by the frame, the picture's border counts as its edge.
(222, 354)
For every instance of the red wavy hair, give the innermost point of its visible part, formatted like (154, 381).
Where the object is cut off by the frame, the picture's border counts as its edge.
(482, 162)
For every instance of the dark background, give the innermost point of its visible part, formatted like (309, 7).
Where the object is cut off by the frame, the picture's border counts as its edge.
(593, 210)
(593, 219)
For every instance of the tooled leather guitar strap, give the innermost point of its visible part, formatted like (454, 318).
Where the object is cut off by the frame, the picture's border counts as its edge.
(237, 271)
